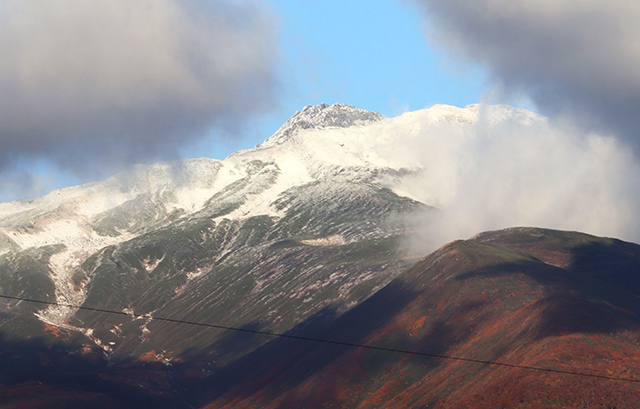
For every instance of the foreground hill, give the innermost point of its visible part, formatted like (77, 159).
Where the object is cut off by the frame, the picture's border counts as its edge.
(566, 303)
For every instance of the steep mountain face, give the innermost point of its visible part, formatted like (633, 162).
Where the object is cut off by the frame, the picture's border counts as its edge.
(563, 302)
(304, 227)
(159, 238)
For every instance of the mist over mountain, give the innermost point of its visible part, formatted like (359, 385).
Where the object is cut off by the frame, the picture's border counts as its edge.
(294, 236)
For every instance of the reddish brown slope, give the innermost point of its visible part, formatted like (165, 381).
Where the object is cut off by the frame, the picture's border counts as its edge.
(526, 297)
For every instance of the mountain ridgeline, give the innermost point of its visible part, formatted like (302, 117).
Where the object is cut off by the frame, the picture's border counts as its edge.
(143, 277)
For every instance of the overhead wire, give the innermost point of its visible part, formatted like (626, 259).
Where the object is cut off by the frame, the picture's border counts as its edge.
(332, 342)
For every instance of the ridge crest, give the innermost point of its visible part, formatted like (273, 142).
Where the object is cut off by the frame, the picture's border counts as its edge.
(323, 116)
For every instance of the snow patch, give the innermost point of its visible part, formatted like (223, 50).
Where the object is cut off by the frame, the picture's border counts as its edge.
(192, 197)
(80, 241)
(292, 171)
(149, 265)
(335, 240)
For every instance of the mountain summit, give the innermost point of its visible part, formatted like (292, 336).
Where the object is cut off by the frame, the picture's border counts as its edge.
(323, 116)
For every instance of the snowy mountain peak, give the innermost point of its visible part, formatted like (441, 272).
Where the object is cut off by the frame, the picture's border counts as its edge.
(323, 116)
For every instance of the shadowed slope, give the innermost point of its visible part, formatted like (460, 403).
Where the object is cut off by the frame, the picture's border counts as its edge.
(525, 297)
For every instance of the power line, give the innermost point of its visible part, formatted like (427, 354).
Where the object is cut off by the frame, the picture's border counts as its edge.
(333, 342)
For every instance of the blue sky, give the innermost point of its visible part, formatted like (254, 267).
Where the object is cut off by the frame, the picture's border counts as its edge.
(370, 54)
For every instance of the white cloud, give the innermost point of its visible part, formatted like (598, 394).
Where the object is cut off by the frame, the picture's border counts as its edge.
(498, 174)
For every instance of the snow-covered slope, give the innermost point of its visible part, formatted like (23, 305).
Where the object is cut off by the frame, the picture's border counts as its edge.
(320, 152)
(321, 117)
(316, 141)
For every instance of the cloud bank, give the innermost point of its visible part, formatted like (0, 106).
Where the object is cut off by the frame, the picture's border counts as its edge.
(573, 57)
(92, 85)
(505, 167)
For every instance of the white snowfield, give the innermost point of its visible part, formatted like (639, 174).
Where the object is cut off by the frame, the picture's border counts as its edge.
(304, 156)
(320, 142)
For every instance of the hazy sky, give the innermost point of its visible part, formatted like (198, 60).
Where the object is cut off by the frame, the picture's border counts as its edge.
(87, 88)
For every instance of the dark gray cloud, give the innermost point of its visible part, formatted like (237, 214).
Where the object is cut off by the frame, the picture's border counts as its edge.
(97, 84)
(575, 57)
